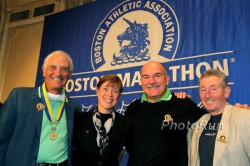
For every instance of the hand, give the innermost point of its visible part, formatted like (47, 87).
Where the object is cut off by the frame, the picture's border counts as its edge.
(182, 95)
(122, 154)
(242, 106)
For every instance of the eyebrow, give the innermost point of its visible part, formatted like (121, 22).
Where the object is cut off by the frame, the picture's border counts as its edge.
(57, 66)
(153, 74)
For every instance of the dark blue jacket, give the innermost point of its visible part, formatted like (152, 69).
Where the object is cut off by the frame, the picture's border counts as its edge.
(20, 127)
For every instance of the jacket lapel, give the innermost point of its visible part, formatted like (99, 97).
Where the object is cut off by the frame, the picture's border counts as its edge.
(39, 112)
(37, 118)
(222, 135)
(69, 118)
(117, 126)
(196, 137)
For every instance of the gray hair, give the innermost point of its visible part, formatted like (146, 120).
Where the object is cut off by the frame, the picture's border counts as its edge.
(218, 73)
(45, 62)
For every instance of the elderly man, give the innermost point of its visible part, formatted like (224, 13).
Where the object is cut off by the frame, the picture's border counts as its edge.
(221, 137)
(160, 121)
(36, 123)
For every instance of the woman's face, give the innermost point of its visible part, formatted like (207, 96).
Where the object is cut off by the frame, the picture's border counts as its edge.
(108, 95)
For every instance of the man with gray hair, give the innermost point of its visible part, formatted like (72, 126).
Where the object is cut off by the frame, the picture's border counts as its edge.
(160, 121)
(36, 123)
(222, 137)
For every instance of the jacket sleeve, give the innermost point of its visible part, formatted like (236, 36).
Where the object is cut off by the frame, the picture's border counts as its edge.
(8, 116)
(246, 132)
(75, 105)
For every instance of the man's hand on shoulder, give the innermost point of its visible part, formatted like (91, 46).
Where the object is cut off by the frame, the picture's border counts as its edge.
(242, 106)
(182, 95)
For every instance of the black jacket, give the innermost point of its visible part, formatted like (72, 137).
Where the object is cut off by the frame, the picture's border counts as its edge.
(85, 149)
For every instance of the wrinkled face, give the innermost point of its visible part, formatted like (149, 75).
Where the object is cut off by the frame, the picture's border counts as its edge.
(56, 73)
(213, 95)
(108, 95)
(154, 81)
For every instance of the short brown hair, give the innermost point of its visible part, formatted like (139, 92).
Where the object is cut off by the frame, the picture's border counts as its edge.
(112, 78)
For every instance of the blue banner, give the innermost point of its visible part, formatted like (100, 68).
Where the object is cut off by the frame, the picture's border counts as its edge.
(116, 36)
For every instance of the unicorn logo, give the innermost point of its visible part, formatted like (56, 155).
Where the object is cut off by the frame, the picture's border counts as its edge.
(147, 31)
(137, 36)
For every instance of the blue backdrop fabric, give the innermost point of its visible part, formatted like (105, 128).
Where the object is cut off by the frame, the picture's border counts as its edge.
(115, 36)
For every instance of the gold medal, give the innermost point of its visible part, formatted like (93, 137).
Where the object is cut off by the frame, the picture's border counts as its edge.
(53, 136)
(48, 110)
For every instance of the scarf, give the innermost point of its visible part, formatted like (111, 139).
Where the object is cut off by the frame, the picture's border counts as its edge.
(102, 138)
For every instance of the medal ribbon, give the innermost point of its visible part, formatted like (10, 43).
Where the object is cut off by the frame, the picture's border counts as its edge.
(48, 109)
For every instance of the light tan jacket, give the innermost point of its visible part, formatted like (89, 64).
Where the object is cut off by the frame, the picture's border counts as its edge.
(232, 146)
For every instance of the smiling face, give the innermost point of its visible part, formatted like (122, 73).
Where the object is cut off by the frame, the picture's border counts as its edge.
(154, 80)
(213, 94)
(108, 94)
(56, 72)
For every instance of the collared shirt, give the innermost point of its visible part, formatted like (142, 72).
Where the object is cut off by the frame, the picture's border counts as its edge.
(53, 151)
(166, 97)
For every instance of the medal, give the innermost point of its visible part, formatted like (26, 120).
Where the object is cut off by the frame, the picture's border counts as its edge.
(48, 111)
(53, 136)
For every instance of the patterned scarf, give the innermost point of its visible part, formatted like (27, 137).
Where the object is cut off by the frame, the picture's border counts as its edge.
(102, 138)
